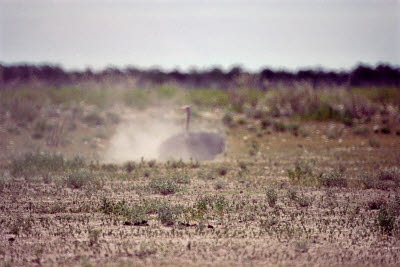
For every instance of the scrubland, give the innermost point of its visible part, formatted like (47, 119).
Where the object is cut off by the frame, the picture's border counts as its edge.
(308, 177)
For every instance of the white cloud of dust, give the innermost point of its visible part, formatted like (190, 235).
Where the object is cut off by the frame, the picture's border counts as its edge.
(140, 135)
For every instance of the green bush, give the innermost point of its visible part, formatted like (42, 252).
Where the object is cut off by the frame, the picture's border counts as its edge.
(301, 173)
(129, 166)
(383, 179)
(181, 178)
(163, 186)
(81, 178)
(168, 214)
(386, 220)
(33, 164)
(272, 196)
(335, 178)
(221, 204)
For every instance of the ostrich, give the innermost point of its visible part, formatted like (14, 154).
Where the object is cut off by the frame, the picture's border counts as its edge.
(192, 145)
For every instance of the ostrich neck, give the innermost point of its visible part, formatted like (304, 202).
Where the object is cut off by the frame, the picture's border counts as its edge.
(187, 121)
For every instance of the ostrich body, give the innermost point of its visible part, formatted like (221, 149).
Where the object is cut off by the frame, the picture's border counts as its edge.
(192, 145)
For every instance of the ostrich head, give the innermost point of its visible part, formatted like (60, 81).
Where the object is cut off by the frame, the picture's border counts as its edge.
(187, 108)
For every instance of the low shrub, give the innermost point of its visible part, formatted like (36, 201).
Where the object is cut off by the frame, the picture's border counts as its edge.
(168, 214)
(385, 220)
(301, 173)
(279, 126)
(129, 166)
(385, 179)
(40, 128)
(228, 120)
(163, 186)
(93, 119)
(335, 178)
(82, 178)
(32, 164)
(272, 196)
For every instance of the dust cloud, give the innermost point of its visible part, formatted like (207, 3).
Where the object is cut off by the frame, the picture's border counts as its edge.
(140, 136)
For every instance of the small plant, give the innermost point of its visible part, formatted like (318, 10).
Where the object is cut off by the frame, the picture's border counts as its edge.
(21, 225)
(243, 165)
(242, 121)
(292, 194)
(376, 203)
(81, 178)
(202, 204)
(265, 123)
(39, 163)
(152, 163)
(279, 126)
(301, 174)
(368, 180)
(135, 213)
(303, 201)
(222, 170)
(206, 174)
(93, 119)
(385, 220)
(40, 128)
(272, 196)
(389, 174)
(181, 178)
(168, 214)
(293, 128)
(129, 166)
(94, 235)
(176, 164)
(109, 167)
(146, 249)
(228, 120)
(163, 186)
(219, 185)
(221, 204)
(194, 164)
(334, 178)
(383, 179)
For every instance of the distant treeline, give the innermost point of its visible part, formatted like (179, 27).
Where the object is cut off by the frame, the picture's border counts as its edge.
(362, 75)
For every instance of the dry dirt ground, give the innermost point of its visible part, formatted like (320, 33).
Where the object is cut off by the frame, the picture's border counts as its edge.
(320, 195)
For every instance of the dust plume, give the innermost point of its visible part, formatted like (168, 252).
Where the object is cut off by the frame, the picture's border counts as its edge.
(140, 135)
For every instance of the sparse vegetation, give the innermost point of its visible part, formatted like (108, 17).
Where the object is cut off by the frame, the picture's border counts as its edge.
(305, 171)
(163, 186)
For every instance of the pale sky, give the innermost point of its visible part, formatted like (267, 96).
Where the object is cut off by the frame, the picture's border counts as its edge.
(182, 34)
